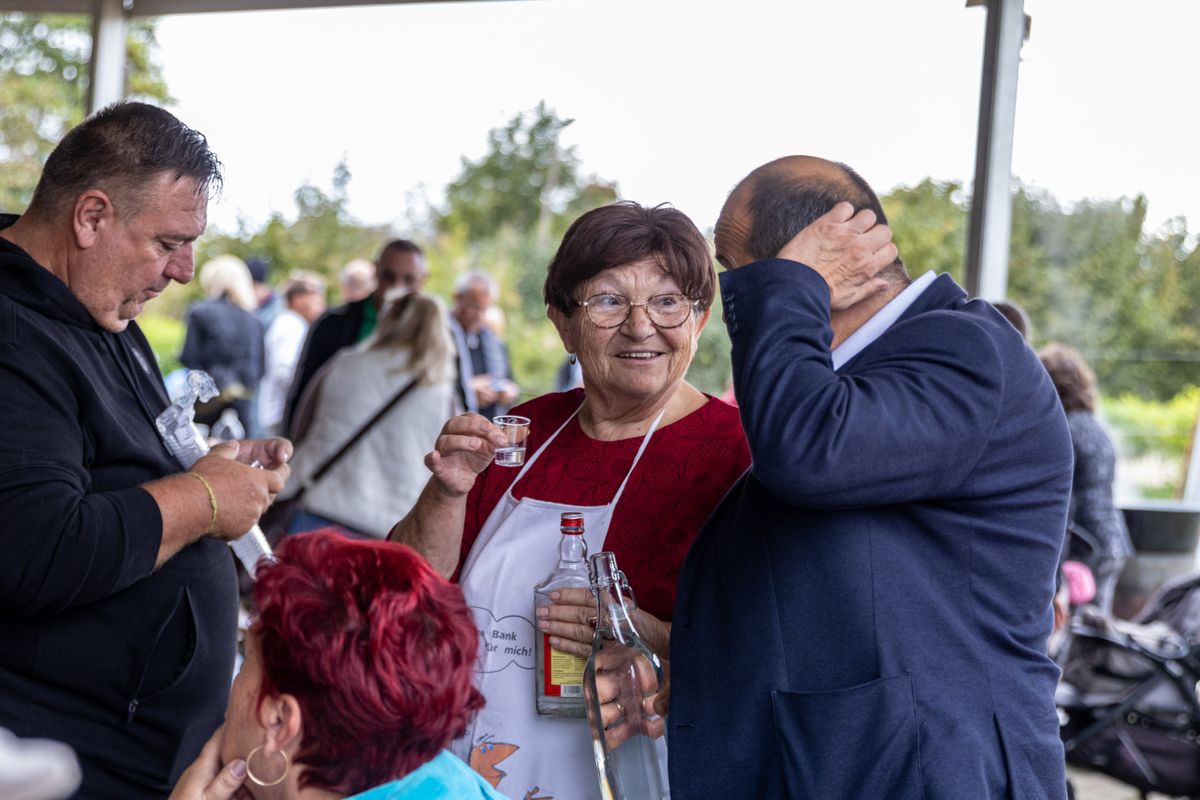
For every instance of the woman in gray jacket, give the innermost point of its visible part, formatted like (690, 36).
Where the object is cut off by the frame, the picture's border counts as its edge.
(377, 481)
(1092, 508)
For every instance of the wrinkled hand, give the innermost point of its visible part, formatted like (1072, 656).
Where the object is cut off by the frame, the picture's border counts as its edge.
(485, 393)
(464, 449)
(571, 622)
(848, 250)
(243, 492)
(627, 707)
(206, 779)
(507, 392)
(267, 453)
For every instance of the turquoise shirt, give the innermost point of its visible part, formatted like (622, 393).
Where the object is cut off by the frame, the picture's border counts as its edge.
(444, 777)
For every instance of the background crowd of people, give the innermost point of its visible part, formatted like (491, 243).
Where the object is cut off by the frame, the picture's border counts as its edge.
(867, 547)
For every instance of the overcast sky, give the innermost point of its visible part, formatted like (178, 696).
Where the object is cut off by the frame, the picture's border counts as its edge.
(677, 100)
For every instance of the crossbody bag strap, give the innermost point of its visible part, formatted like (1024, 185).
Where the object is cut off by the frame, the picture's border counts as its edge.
(353, 440)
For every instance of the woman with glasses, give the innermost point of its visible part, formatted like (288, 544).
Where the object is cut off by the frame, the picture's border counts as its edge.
(639, 451)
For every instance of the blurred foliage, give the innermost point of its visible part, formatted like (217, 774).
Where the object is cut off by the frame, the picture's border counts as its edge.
(43, 89)
(527, 182)
(505, 214)
(321, 237)
(1150, 427)
(1091, 276)
(929, 226)
(165, 334)
(711, 370)
(1157, 436)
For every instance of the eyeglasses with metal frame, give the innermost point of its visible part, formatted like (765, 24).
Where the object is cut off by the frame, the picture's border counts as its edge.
(610, 310)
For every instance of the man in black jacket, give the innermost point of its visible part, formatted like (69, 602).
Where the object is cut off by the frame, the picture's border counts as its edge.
(118, 603)
(400, 267)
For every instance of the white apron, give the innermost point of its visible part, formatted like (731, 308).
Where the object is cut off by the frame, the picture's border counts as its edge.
(525, 756)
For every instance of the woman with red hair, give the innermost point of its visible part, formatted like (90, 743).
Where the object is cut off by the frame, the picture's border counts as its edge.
(358, 673)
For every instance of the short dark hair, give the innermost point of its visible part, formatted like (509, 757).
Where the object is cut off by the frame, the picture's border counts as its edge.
(1015, 315)
(625, 232)
(299, 288)
(1072, 377)
(401, 246)
(120, 149)
(781, 206)
(260, 269)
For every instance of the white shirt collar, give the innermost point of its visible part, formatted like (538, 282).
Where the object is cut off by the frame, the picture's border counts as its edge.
(883, 319)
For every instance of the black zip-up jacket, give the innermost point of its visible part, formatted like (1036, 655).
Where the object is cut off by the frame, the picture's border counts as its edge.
(128, 665)
(335, 329)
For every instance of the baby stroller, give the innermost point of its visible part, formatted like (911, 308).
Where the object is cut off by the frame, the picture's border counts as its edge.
(1128, 696)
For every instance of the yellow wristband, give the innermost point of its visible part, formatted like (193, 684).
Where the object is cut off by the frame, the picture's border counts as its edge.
(212, 500)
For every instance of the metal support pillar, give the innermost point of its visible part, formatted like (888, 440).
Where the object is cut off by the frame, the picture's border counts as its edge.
(991, 204)
(107, 84)
(1191, 489)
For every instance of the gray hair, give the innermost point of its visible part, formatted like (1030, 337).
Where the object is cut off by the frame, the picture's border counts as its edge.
(357, 269)
(477, 277)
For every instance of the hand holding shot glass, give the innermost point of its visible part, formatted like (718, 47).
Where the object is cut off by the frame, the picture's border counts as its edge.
(516, 431)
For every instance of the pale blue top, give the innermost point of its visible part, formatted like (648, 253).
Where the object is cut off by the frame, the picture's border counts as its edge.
(444, 777)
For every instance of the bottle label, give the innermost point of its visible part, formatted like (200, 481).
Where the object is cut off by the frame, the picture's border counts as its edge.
(563, 672)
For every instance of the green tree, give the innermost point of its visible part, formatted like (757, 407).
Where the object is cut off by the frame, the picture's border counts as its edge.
(1029, 282)
(711, 370)
(1090, 276)
(929, 226)
(527, 181)
(1124, 297)
(43, 89)
(505, 213)
(322, 237)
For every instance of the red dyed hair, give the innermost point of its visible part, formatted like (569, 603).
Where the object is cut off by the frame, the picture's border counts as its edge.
(377, 648)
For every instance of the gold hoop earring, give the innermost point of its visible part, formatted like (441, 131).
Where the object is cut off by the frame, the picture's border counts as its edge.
(287, 765)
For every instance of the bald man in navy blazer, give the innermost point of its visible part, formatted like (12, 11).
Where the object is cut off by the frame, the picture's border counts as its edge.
(865, 615)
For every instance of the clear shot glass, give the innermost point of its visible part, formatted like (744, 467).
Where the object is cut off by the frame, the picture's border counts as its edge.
(516, 431)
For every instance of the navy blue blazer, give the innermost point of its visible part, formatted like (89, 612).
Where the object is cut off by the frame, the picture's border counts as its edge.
(864, 616)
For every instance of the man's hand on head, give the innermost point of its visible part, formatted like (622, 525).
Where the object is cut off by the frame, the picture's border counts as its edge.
(848, 250)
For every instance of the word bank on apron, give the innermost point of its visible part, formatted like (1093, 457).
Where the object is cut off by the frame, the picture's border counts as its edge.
(525, 756)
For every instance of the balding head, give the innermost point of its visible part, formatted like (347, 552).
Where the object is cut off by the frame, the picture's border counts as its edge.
(778, 200)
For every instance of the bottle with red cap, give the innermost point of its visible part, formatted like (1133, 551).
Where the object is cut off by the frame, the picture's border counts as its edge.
(559, 675)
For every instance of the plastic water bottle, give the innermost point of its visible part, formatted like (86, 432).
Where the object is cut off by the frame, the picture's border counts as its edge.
(559, 675)
(626, 756)
(228, 428)
(177, 428)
